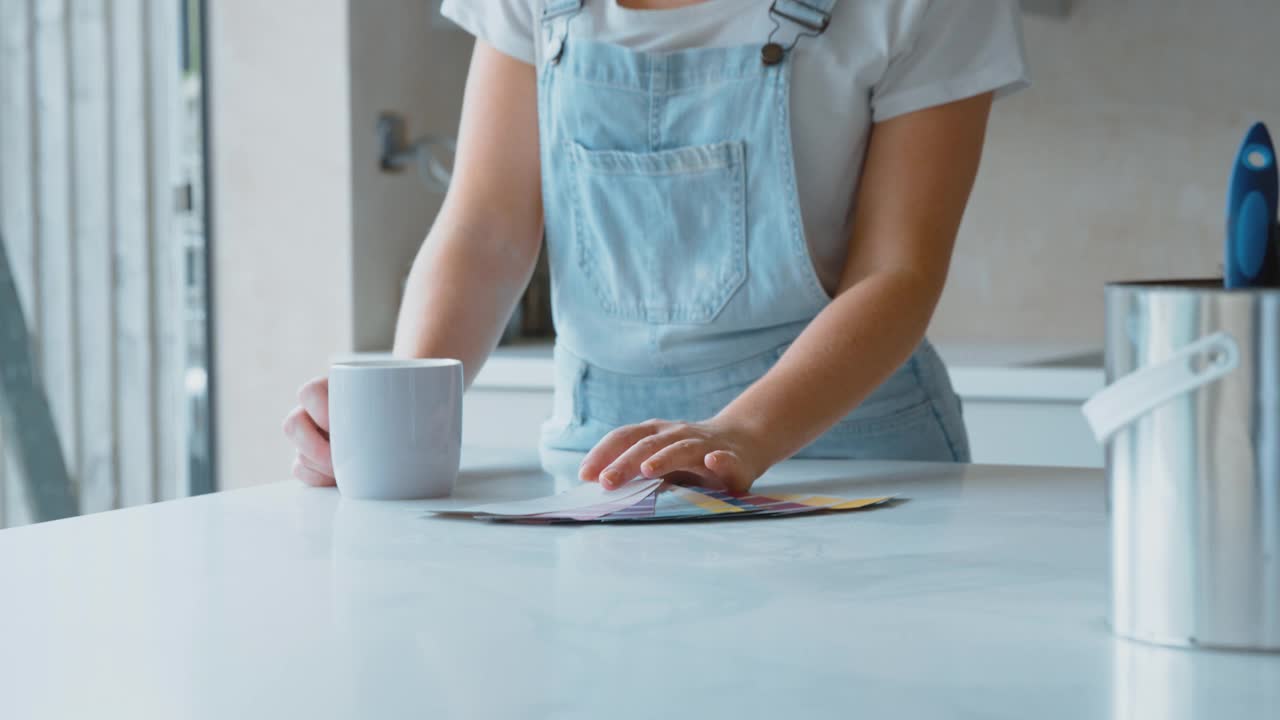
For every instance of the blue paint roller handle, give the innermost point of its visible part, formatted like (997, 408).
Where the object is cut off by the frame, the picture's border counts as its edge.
(1252, 258)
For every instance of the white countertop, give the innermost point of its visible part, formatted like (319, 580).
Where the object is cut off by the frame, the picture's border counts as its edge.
(1026, 371)
(980, 596)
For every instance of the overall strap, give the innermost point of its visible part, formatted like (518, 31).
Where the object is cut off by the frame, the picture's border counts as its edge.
(813, 15)
(553, 9)
(556, 15)
(803, 18)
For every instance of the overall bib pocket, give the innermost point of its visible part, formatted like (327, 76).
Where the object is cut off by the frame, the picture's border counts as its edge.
(660, 237)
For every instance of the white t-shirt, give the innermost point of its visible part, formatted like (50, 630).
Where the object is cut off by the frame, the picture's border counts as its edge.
(878, 59)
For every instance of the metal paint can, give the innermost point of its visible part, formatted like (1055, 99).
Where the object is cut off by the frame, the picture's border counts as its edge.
(1191, 419)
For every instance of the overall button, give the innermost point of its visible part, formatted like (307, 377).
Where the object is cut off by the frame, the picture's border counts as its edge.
(772, 54)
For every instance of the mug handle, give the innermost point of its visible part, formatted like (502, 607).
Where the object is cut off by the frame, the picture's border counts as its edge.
(1138, 393)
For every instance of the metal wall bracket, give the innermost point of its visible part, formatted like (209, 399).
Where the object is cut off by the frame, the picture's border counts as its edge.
(396, 152)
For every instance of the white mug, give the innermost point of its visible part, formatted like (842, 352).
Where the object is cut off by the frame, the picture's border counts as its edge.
(395, 427)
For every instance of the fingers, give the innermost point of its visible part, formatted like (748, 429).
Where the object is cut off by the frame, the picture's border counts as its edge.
(312, 464)
(314, 397)
(611, 446)
(308, 428)
(310, 476)
(727, 466)
(627, 466)
(658, 448)
(309, 440)
(687, 454)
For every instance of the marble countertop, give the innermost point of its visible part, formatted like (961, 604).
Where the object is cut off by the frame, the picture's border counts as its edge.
(981, 594)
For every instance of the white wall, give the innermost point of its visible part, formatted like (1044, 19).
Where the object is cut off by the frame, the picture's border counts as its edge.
(401, 61)
(1113, 165)
(310, 240)
(281, 236)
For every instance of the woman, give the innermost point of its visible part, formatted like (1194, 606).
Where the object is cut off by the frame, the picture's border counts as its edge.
(749, 209)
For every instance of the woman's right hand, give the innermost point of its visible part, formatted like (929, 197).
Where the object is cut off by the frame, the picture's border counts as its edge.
(307, 427)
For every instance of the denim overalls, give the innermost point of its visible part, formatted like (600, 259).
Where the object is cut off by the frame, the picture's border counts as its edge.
(679, 267)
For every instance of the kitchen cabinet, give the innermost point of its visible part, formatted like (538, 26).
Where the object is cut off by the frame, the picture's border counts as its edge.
(1021, 403)
(1030, 432)
(504, 418)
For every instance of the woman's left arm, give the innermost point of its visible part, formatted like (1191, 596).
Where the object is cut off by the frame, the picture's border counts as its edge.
(916, 180)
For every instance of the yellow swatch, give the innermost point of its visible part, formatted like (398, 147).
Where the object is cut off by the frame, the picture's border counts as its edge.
(705, 502)
(859, 504)
(831, 503)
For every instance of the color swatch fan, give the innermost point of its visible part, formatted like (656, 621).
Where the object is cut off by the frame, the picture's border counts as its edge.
(656, 500)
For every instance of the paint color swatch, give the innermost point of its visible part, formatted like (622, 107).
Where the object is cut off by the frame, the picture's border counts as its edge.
(657, 500)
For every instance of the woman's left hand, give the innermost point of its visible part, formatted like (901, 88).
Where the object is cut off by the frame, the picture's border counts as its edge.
(712, 453)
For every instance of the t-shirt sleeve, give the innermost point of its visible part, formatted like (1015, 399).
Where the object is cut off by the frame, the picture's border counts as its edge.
(507, 25)
(958, 50)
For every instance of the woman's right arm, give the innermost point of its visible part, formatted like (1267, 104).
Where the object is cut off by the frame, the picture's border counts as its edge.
(479, 255)
(477, 259)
